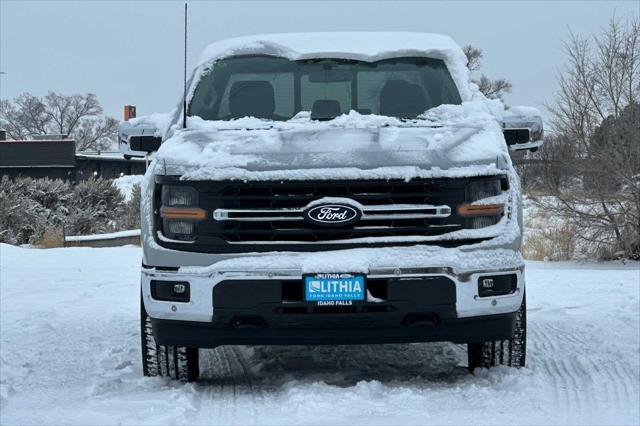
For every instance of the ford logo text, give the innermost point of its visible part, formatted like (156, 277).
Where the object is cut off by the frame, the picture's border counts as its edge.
(332, 214)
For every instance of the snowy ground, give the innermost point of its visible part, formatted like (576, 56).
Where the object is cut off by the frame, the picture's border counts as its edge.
(69, 354)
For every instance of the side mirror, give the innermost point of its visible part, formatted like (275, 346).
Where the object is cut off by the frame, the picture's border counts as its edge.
(137, 141)
(144, 143)
(522, 128)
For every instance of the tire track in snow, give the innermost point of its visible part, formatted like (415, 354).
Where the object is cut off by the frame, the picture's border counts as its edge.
(234, 399)
(583, 385)
(607, 377)
(541, 352)
(550, 346)
(576, 389)
(561, 386)
(216, 365)
(621, 381)
(217, 397)
(221, 350)
(238, 357)
(587, 385)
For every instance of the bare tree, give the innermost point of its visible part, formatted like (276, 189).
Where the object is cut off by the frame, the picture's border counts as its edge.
(546, 170)
(79, 116)
(24, 116)
(95, 133)
(492, 89)
(596, 111)
(474, 55)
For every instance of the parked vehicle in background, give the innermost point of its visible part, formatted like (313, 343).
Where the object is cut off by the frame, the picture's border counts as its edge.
(332, 188)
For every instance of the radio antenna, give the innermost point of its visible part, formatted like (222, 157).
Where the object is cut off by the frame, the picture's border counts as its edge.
(184, 98)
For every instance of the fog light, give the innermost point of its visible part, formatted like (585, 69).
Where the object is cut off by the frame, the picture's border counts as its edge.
(170, 291)
(497, 285)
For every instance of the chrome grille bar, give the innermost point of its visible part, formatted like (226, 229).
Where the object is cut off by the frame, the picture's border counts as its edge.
(379, 212)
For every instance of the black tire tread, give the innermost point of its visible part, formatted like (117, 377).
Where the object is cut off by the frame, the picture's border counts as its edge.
(510, 352)
(177, 363)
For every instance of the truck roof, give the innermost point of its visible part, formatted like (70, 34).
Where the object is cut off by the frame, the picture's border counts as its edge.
(352, 45)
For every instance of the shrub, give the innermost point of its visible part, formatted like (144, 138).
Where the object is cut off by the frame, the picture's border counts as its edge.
(20, 215)
(131, 216)
(96, 207)
(40, 211)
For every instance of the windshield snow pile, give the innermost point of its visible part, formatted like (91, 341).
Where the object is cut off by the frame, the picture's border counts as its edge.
(447, 141)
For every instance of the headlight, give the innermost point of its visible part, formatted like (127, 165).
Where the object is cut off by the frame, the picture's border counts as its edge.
(482, 215)
(480, 189)
(180, 212)
(179, 196)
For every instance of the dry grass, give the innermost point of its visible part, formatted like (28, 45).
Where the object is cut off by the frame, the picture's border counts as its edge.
(51, 238)
(550, 244)
(546, 237)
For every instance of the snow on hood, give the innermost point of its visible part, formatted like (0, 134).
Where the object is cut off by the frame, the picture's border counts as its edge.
(450, 140)
(362, 46)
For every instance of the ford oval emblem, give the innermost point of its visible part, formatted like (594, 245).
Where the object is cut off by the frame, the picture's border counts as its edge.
(332, 214)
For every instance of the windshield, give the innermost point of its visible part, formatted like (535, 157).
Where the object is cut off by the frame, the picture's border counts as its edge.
(277, 89)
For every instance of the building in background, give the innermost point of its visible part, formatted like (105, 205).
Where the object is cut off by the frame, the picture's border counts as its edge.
(55, 157)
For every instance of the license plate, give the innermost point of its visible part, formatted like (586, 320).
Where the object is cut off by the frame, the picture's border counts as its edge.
(323, 288)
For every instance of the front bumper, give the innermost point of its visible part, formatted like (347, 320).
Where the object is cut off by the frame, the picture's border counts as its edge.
(206, 322)
(324, 330)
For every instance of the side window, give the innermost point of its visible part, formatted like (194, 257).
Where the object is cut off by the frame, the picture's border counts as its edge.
(313, 91)
(205, 98)
(449, 91)
(283, 92)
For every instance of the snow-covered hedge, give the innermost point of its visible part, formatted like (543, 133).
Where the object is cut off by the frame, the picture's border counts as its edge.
(33, 209)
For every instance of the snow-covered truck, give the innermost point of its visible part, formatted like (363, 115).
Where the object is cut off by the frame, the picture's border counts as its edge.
(331, 188)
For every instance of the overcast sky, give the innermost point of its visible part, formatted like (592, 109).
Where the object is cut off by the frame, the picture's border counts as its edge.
(131, 52)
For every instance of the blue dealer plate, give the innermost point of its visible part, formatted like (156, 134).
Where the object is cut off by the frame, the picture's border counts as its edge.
(334, 287)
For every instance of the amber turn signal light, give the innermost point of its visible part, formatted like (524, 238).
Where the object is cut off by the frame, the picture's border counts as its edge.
(472, 210)
(188, 213)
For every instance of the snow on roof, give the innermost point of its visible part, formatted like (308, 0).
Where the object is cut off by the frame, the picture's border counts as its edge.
(363, 46)
(115, 155)
(369, 46)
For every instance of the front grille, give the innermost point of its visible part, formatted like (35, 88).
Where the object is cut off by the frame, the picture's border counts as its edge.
(267, 216)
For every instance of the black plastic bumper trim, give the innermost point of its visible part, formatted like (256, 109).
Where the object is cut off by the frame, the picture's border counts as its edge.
(321, 329)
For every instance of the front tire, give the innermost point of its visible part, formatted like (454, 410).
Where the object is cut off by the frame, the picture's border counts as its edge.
(177, 363)
(510, 352)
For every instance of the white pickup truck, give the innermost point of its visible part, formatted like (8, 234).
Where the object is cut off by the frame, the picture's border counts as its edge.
(332, 188)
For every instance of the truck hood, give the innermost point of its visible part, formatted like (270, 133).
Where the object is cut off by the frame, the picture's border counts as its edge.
(380, 148)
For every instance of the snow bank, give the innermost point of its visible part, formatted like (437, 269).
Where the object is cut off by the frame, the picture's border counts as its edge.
(109, 236)
(125, 184)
